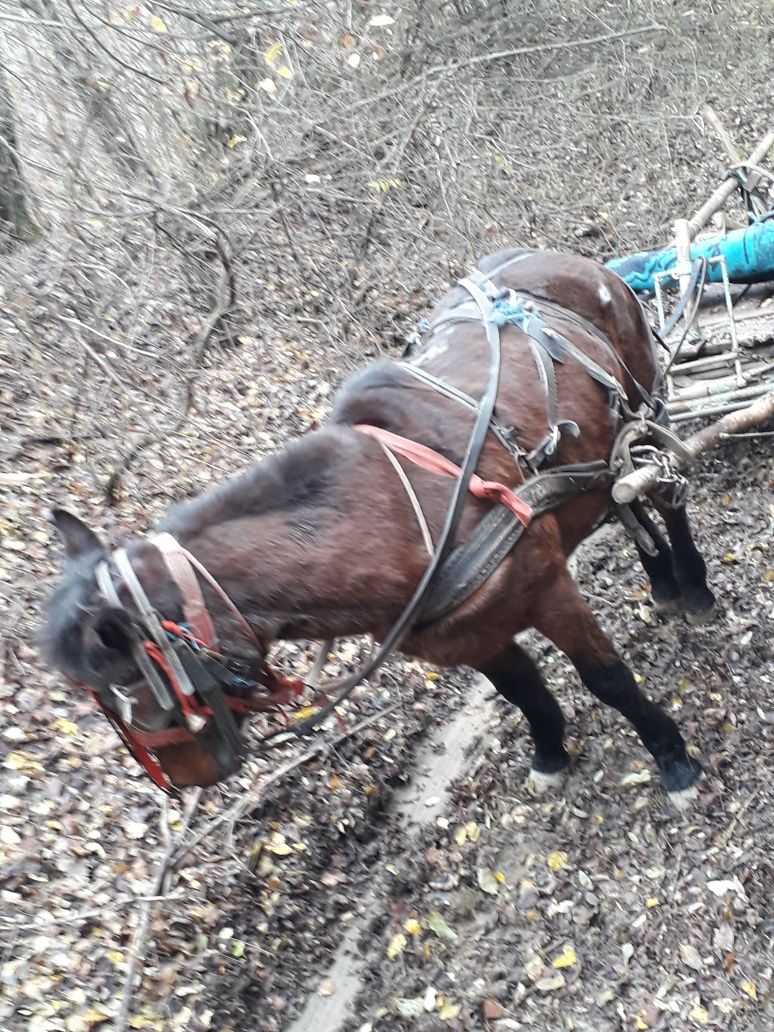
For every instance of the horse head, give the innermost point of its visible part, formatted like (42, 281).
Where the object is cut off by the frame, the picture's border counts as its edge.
(133, 629)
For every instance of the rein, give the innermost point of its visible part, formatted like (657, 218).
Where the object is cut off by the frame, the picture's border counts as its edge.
(484, 294)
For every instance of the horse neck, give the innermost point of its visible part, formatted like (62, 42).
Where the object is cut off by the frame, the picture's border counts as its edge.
(325, 562)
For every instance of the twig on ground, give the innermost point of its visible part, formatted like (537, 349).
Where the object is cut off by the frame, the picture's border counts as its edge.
(139, 943)
(235, 811)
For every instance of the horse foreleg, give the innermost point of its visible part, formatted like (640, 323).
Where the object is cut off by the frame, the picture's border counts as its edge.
(689, 567)
(517, 678)
(664, 589)
(565, 618)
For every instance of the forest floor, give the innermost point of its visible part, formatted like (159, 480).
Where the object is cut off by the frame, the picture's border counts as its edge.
(405, 878)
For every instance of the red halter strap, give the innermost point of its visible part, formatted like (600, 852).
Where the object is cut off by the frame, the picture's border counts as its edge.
(430, 460)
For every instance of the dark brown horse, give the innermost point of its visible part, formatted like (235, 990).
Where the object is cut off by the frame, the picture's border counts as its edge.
(323, 541)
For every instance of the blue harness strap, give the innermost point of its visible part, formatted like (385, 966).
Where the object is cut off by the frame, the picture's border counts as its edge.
(547, 347)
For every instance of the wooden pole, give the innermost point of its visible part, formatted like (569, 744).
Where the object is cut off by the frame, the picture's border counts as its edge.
(709, 114)
(634, 485)
(727, 187)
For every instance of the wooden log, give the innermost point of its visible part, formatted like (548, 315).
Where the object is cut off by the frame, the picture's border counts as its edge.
(634, 485)
(698, 221)
(683, 253)
(710, 115)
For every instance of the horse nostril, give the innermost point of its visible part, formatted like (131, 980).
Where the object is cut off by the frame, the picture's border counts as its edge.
(113, 635)
(111, 638)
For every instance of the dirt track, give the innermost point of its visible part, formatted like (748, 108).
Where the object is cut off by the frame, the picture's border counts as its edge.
(601, 909)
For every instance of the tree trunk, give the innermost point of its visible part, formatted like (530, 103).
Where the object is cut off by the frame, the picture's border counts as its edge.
(111, 124)
(16, 223)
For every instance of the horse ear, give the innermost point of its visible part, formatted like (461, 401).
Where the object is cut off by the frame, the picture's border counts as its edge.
(78, 539)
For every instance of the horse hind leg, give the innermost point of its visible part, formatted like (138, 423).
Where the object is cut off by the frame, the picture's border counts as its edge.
(565, 618)
(517, 678)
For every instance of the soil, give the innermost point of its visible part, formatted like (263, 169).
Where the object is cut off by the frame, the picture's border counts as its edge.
(413, 859)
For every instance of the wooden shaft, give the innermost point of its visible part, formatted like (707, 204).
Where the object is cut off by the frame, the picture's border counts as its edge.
(683, 252)
(629, 488)
(710, 115)
(726, 188)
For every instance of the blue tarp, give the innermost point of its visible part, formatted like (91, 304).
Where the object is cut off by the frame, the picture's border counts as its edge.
(749, 255)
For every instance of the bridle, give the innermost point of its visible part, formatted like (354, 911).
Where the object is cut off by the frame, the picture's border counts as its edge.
(201, 693)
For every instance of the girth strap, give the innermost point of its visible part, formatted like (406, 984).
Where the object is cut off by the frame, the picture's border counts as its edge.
(471, 563)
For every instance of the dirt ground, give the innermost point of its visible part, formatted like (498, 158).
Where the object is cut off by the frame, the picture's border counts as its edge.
(465, 902)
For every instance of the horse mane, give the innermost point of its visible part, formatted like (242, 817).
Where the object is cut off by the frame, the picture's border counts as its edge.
(298, 478)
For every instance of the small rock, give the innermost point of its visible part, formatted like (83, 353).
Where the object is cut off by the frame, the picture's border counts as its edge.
(491, 1010)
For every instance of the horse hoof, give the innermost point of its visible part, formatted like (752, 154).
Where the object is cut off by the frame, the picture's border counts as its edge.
(666, 606)
(539, 782)
(679, 774)
(697, 617)
(684, 798)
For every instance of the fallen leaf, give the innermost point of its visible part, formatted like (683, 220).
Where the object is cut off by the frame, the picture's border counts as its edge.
(413, 927)
(9, 837)
(135, 829)
(449, 1011)
(699, 1014)
(409, 1008)
(437, 924)
(722, 886)
(551, 982)
(487, 881)
(749, 988)
(396, 945)
(491, 1010)
(557, 861)
(65, 726)
(565, 959)
(690, 956)
(278, 846)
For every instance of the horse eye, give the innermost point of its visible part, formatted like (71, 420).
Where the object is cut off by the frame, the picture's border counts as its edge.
(113, 636)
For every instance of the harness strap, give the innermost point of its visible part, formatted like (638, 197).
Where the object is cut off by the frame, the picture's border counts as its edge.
(197, 616)
(202, 570)
(421, 455)
(495, 536)
(150, 620)
(506, 435)
(161, 692)
(412, 497)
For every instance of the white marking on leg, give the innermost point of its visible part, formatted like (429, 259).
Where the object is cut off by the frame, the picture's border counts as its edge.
(539, 782)
(684, 798)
